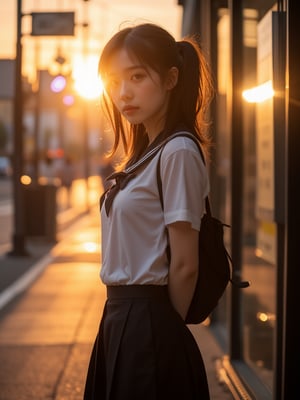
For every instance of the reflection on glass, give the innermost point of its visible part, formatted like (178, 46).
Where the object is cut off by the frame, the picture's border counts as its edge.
(259, 315)
(260, 93)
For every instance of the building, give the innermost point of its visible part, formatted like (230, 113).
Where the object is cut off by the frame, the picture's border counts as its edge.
(253, 47)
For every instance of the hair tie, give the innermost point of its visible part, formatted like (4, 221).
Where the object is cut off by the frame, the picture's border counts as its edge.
(180, 46)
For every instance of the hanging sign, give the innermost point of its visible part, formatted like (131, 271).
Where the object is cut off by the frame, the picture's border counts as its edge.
(53, 24)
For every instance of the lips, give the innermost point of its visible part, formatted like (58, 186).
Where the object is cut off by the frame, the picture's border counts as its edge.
(129, 109)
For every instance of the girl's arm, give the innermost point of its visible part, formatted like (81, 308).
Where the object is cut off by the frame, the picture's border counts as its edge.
(183, 270)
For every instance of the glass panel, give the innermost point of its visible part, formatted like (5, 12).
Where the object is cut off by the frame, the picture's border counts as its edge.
(221, 199)
(259, 233)
(259, 249)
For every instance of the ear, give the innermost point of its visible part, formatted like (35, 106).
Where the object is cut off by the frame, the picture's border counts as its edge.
(172, 78)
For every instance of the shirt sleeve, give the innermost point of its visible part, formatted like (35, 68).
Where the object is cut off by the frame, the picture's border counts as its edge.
(184, 182)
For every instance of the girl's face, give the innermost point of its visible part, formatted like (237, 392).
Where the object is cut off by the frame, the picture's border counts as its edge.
(139, 93)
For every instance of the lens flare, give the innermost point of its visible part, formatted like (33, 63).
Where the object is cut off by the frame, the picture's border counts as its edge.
(58, 84)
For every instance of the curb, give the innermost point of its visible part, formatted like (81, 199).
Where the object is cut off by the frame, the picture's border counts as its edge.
(24, 281)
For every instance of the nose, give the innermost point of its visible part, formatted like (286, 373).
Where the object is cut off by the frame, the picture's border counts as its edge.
(125, 91)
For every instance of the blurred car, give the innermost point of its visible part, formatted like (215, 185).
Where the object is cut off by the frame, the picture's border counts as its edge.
(5, 168)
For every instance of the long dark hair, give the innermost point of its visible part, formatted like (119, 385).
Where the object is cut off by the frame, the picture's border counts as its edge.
(156, 49)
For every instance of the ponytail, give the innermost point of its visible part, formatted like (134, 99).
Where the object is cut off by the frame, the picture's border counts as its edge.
(194, 91)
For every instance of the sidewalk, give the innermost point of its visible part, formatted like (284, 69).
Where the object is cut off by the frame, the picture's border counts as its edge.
(16, 273)
(47, 326)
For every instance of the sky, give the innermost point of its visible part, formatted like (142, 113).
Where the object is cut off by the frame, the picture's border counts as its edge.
(105, 17)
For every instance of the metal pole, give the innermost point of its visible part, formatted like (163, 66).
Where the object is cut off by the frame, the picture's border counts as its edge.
(18, 239)
(85, 111)
(291, 318)
(35, 161)
(236, 39)
(279, 102)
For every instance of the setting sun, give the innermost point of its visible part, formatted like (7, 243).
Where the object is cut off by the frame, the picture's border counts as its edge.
(86, 79)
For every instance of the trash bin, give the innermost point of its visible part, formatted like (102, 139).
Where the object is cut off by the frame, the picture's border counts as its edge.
(40, 211)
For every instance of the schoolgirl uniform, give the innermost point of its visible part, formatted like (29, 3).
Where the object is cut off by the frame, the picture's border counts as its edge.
(144, 350)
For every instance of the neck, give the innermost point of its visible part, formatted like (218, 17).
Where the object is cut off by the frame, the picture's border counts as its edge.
(153, 134)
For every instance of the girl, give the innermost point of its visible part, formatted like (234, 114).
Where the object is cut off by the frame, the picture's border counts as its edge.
(154, 87)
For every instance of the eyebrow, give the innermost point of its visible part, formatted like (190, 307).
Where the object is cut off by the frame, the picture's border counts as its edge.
(131, 68)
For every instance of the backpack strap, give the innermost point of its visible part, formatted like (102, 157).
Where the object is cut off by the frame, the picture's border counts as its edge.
(158, 173)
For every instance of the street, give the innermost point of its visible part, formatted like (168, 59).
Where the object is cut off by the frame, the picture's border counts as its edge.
(5, 189)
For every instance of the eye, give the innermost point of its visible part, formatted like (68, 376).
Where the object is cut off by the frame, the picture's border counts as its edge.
(138, 76)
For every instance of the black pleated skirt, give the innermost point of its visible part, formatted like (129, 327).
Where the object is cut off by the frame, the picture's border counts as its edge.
(144, 350)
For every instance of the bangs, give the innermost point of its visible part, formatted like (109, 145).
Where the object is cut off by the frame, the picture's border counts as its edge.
(151, 54)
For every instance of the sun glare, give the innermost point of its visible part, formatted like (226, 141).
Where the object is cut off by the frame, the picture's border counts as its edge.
(86, 79)
(260, 93)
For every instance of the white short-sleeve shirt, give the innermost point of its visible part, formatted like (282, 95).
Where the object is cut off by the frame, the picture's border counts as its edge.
(134, 236)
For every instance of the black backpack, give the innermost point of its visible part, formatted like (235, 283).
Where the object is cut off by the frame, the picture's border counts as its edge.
(215, 263)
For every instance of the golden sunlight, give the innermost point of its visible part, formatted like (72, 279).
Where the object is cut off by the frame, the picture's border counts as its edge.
(86, 79)
(259, 93)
